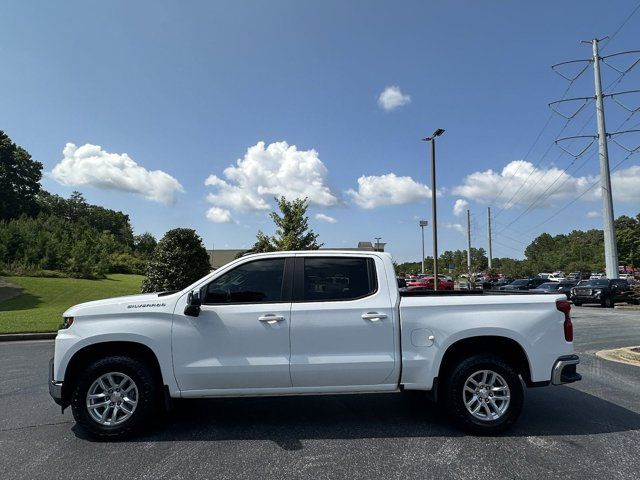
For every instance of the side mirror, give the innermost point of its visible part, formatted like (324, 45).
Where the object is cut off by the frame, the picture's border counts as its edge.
(194, 301)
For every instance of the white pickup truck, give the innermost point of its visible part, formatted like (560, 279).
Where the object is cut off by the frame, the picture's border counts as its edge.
(309, 322)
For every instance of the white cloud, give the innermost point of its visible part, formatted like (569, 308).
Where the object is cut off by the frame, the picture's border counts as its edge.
(536, 183)
(392, 98)
(375, 191)
(459, 207)
(90, 165)
(219, 215)
(457, 227)
(274, 170)
(593, 214)
(625, 185)
(325, 218)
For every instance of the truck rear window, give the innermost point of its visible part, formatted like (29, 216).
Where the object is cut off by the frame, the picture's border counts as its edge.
(327, 278)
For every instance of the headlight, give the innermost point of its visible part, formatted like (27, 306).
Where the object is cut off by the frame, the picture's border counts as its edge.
(66, 323)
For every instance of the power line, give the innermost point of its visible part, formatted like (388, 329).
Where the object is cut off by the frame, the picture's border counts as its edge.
(626, 20)
(615, 82)
(589, 188)
(535, 142)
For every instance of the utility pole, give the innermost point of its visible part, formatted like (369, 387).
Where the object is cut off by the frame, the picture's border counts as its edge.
(434, 218)
(423, 223)
(489, 235)
(610, 248)
(469, 244)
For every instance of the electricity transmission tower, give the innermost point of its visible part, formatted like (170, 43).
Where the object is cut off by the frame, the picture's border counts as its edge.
(610, 248)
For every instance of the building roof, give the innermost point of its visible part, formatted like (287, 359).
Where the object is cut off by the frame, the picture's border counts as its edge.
(218, 258)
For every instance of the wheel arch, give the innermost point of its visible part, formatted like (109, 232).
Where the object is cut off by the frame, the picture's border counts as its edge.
(88, 353)
(507, 348)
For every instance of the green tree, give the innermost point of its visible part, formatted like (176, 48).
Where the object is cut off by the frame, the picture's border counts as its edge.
(144, 245)
(178, 260)
(19, 180)
(292, 229)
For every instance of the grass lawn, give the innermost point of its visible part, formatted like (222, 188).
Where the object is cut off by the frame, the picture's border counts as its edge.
(40, 305)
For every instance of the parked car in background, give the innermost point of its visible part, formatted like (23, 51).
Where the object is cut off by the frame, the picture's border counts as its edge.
(579, 276)
(544, 275)
(501, 283)
(426, 283)
(563, 287)
(524, 284)
(596, 276)
(604, 291)
(555, 277)
(548, 287)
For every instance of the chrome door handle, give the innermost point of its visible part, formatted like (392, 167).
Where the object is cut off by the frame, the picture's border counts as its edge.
(373, 316)
(271, 319)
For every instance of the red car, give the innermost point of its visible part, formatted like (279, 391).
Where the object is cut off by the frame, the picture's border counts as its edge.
(426, 283)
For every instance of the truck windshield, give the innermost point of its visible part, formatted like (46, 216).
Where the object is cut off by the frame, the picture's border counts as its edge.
(598, 283)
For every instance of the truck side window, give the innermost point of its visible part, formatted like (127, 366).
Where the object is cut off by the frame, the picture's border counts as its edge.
(254, 282)
(327, 279)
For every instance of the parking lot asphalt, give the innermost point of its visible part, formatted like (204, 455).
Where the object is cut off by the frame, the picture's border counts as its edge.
(588, 430)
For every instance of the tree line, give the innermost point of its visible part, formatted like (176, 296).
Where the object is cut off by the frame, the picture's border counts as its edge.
(573, 252)
(45, 234)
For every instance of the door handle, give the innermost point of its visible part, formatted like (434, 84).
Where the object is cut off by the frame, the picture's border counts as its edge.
(271, 319)
(373, 316)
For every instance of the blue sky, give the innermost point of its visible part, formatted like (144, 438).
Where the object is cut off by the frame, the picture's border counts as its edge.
(189, 88)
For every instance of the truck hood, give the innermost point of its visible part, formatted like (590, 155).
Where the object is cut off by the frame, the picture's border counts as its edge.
(148, 302)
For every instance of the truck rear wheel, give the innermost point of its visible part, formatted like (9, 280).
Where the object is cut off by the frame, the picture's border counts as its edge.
(483, 394)
(114, 397)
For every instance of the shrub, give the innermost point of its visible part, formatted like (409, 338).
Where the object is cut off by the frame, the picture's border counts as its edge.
(178, 260)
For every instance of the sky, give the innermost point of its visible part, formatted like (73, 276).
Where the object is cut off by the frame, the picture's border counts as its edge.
(196, 114)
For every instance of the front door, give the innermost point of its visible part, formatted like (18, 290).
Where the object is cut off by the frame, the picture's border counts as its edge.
(342, 324)
(240, 340)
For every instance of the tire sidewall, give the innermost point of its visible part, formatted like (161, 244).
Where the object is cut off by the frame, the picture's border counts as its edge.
(147, 394)
(454, 402)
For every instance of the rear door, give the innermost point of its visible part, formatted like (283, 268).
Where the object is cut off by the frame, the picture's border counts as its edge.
(342, 323)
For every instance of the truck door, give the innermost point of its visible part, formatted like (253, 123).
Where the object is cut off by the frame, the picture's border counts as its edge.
(240, 339)
(342, 323)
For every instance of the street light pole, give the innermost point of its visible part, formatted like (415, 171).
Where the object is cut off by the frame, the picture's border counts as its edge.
(434, 218)
(423, 223)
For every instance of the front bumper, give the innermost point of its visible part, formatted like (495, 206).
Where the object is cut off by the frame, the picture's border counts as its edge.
(564, 370)
(55, 388)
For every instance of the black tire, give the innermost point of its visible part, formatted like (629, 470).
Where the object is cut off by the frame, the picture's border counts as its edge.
(453, 401)
(147, 400)
(577, 304)
(607, 302)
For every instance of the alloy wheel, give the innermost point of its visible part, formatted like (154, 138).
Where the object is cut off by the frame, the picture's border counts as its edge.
(486, 395)
(112, 399)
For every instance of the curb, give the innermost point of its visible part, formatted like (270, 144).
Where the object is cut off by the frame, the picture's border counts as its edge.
(627, 355)
(627, 307)
(14, 337)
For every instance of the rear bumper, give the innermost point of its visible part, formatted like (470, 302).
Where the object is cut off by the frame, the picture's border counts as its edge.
(55, 388)
(564, 370)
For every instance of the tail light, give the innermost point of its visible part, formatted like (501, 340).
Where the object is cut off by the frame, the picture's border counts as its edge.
(565, 307)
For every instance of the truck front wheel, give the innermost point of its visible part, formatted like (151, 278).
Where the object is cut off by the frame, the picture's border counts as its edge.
(483, 394)
(114, 397)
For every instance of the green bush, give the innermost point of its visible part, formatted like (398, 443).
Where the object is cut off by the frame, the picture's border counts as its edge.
(178, 260)
(127, 263)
